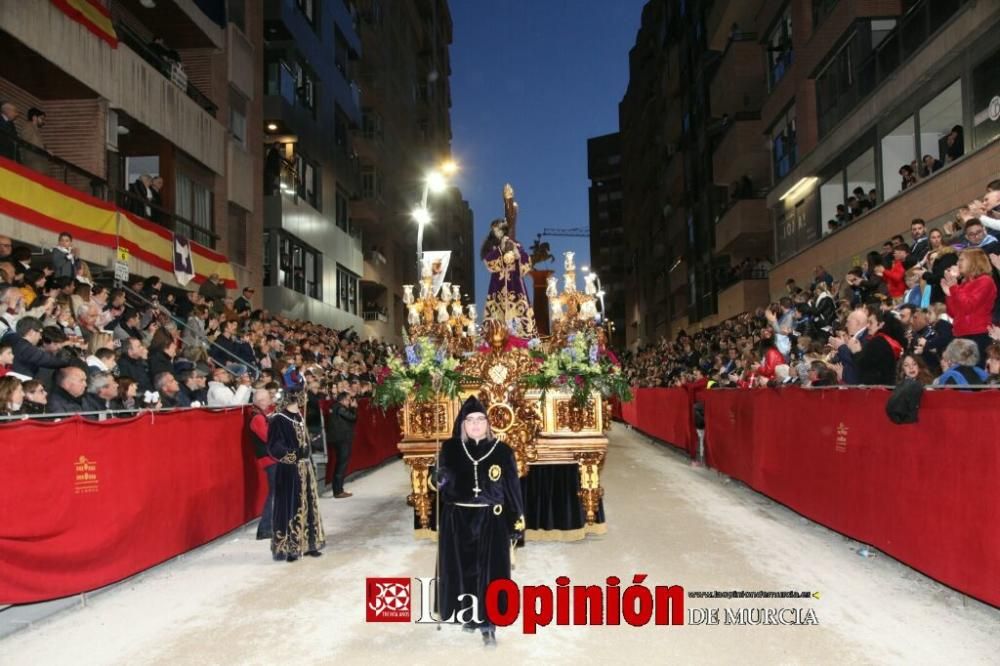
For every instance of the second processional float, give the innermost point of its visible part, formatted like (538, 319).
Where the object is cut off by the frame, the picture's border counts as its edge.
(547, 396)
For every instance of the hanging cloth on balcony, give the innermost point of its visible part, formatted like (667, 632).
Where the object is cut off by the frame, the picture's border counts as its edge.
(92, 15)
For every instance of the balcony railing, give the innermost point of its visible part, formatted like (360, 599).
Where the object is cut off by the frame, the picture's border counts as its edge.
(83, 181)
(170, 69)
(375, 315)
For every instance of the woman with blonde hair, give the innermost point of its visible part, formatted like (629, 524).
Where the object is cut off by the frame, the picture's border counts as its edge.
(970, 294)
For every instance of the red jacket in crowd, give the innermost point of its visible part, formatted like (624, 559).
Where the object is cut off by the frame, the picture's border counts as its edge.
(895, 279)
(970, 304)
(772, 359)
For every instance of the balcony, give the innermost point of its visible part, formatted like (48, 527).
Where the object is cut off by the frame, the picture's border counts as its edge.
(744, 229)
(744, 296)
(183, 24)
(121, 76)
(740, 150)
(738, 84)
(377, 271)
(722, 17)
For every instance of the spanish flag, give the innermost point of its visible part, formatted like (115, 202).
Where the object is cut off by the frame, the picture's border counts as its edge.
(93, 15)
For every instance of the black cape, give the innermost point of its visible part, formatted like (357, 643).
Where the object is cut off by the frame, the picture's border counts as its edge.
(475, 541)
(298, 527)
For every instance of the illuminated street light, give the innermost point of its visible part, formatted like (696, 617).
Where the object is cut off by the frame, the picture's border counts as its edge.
(436, 182)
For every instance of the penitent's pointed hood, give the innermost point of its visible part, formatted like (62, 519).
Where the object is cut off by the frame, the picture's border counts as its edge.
(470, 406)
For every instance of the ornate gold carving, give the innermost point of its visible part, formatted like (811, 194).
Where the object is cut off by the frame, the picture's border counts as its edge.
(428, 419)
(513, 416)
(591, 491)
(420, 498)
(501, 417)
(495, 472)
(575, 417)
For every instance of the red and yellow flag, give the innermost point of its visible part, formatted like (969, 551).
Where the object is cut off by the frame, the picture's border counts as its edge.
(93, 15)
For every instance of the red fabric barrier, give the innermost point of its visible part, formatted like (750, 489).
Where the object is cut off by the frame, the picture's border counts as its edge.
(663, 413)
(85, 503)
(924, 493)
(376, 434)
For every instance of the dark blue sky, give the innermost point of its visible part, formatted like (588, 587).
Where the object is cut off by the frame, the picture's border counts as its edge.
(531, 81)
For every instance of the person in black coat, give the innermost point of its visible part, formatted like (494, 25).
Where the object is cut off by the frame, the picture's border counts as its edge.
(297, 523)
(133, 364)
(340, 436)
(67, 396)
(8, 130)
(876, 361)
(28, 357)
(481, 517)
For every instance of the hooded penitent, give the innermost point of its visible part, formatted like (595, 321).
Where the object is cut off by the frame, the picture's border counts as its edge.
(481, 512)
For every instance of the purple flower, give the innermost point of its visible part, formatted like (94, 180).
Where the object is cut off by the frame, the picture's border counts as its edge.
(593, 353)
(411, 355)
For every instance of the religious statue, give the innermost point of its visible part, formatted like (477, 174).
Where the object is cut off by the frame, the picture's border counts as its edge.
(541, 252)
(506, 260)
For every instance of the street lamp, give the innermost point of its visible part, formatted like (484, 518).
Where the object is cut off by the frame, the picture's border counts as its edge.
(436, 181)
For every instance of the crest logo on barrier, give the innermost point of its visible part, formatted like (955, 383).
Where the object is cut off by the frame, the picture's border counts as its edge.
(840, 443)
(85, 474)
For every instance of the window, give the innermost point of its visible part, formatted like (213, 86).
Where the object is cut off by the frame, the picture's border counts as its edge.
(821, 9)
(341, 136)
(784, 149)
(938, 118)
(237, 234)
(371, 124)
(307, 181)
(281, 80)
(238, 117)
(779, 49)
(347, 290)
(861, 174)
(305, 87)
(898, 149)
(341, 52)
(268, 263)
(193, 206)
(371, 183)
(238, 13)
(343, 221)
(832, 193)
(986, 100)
(308, 8)
(835, 94)
(298, 266)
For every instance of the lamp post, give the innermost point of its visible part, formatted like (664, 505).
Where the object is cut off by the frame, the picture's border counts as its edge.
(436, 181)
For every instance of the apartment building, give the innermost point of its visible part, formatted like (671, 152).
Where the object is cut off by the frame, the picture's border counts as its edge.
(313, 259)
(132, 88)
(405, 133)
(746, 123)
(607, 231)
(868, 88)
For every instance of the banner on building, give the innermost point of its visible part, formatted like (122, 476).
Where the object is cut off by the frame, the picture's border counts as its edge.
(93, 15)
(183, 263)
(438, 262)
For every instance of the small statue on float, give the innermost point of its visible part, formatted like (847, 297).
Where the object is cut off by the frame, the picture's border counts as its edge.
(508, 263)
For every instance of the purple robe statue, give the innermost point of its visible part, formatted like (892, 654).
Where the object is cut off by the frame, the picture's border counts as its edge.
(507, 262)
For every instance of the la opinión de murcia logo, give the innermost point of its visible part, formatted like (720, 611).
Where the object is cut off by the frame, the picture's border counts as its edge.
(388, 600)
(613, 604)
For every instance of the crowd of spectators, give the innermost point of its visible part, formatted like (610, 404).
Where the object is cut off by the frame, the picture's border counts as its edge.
(925, 310)
(69, 344)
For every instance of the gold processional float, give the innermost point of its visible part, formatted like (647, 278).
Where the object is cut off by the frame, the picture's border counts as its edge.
(549, 400)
